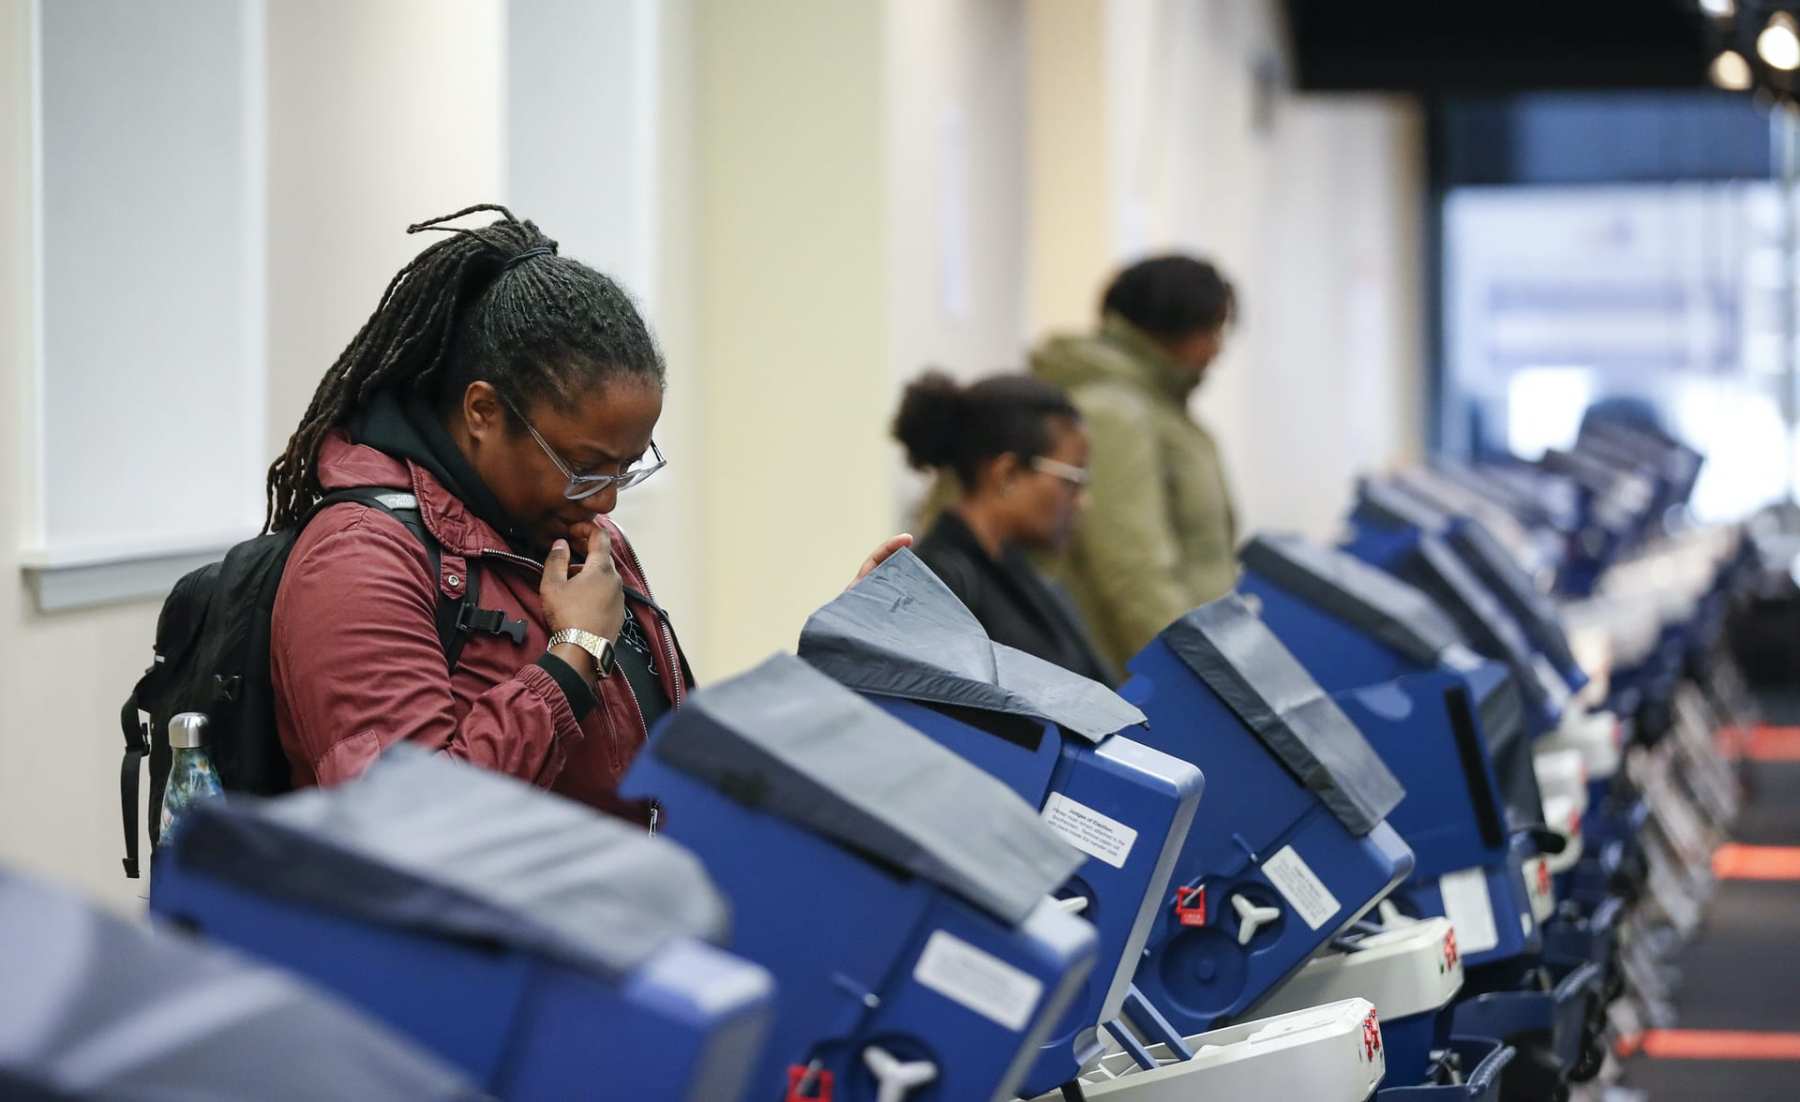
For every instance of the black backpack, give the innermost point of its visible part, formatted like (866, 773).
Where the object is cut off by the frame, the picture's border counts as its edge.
(212, 656)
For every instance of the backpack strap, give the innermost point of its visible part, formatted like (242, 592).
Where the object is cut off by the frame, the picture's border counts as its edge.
(455, 618)
(137, 748)
(686, 673)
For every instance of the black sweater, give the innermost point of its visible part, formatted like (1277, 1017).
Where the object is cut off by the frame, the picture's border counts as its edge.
(1016, 605)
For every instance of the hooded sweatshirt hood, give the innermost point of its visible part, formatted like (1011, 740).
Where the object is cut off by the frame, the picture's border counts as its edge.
(402, 424)
(1120, 352)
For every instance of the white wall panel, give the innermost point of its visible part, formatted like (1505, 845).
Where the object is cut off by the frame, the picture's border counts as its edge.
(150, 247)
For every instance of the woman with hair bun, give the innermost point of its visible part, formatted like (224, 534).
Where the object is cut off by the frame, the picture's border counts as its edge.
(1018, 452)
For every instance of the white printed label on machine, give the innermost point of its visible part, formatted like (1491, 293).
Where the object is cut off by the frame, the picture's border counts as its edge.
(978, 980)
(1088, 830)
(1306, 893)
(1470, 910)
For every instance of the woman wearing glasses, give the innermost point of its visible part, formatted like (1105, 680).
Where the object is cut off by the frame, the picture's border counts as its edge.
(505, 395)
(1019, 453)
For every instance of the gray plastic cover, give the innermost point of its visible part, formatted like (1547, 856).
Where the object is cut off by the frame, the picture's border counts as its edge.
(1346, 587)
(432, 845)
(786, 739)
(1441, 573)
(1537, 499)
(901, 632)
(94, 1006)
(1509, 582)
(1243, 662)
(1396, 507)
(1489, 626)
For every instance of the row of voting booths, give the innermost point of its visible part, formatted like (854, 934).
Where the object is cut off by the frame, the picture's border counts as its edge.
(1421, 814)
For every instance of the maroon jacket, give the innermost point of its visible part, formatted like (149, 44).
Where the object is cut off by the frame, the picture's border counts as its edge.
(357, 665)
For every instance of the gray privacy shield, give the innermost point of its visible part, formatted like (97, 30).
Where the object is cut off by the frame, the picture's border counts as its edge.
(901, 632)
(431, 845)
(1346, 587)
(1440, 572)
(1514, 588)
(1240, 659)
(94, 1006)
(1398, 508)
(785, 739)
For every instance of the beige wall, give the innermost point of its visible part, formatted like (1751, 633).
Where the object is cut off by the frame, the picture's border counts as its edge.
(792, 279)
(1069, 186)
(956, 178)
(380, 115)
(955, 159)
(1334, 383)
(670, 530)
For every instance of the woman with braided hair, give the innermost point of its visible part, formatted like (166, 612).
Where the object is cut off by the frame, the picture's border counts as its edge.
(503, 395)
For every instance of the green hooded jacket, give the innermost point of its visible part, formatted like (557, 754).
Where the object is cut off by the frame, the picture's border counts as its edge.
(1159, 536)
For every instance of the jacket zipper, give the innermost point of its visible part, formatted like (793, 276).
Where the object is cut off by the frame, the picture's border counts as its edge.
(662, 636)
(516, 560)
(655, 804)
(662, 633)
(635, 706)
(612, 749)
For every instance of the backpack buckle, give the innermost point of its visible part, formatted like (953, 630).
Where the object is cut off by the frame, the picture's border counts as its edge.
(490, 621)
(227, 688)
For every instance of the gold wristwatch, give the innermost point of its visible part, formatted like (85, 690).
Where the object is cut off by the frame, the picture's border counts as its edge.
(598, 646)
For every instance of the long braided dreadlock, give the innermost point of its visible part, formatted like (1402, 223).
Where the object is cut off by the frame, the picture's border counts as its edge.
(494, 304)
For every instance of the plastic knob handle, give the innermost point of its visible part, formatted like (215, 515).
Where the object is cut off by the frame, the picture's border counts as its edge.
(894, 1078)
(1252, 918)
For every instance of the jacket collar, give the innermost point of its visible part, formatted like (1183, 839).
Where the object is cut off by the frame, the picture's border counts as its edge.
(952, 530)
(402, 423)
(1151, 363)
(1029, 591)
(345, 464)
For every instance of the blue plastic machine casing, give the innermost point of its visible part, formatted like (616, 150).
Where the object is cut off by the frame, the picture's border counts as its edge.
(1407, 538)
(1133, 804)
(1450, 726)
(1289, 852)
(1438, 716)
(1390, 508)
(544, 950)
(897, 894)
(902, 639)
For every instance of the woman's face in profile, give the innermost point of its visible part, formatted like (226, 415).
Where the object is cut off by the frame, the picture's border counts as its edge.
(603, 432)
(1049, 501)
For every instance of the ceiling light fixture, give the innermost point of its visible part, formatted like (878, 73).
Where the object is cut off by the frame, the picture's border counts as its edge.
(1730, 71)
(1779, 43)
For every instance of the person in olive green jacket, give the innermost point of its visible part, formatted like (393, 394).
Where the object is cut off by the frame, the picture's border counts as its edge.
(1159, 537)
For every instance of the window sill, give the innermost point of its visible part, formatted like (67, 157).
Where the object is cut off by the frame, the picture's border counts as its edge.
(66, 579)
